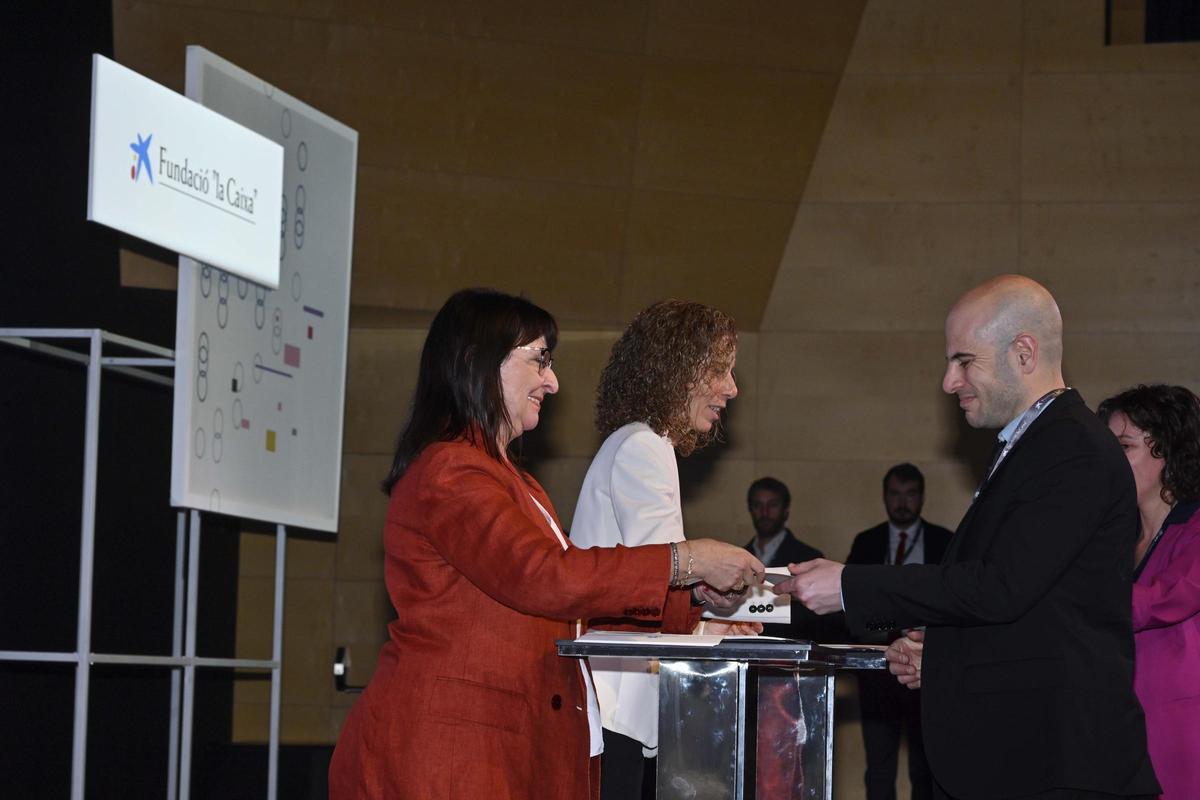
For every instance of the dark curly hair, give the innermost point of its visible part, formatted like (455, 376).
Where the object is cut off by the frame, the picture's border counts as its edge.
(1170, 416)
(667, 350)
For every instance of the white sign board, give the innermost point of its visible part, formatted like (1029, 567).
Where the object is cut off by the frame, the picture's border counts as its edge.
(165, 169)
(260, 374)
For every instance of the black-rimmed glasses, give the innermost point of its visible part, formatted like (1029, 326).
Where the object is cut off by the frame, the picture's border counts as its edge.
(545, 359)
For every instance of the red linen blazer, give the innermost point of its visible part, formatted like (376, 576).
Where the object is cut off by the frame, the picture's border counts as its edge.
(469, 698)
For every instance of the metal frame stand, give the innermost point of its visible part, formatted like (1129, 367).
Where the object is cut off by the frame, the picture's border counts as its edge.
(183, 660)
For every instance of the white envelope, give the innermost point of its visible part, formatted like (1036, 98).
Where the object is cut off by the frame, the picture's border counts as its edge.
(759, 604)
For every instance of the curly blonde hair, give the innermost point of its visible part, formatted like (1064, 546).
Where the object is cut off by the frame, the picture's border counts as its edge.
(668, 349)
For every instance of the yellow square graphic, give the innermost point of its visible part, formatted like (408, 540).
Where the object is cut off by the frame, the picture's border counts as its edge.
(271, 441)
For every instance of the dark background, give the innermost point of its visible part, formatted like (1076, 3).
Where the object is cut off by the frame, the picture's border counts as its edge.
(59, 270)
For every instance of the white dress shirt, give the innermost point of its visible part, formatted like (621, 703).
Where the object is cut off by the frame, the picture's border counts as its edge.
(767, 552)
(914, 543)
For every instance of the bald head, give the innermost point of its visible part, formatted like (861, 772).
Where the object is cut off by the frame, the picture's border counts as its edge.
(1003, 348)
(1008, 306)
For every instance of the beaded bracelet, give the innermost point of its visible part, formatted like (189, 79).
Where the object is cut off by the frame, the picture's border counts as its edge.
(674, 564)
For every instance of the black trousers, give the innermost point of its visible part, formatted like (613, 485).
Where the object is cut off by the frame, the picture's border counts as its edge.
(625, 774)
(887, 710)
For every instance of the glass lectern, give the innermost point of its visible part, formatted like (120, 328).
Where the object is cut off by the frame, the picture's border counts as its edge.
(746, 718)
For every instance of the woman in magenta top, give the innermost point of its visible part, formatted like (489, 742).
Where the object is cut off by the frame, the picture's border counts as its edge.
(1159, 429)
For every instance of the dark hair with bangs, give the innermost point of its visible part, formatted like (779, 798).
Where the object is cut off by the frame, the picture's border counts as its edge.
(1170, 417)
(458, 390)
(667, 350)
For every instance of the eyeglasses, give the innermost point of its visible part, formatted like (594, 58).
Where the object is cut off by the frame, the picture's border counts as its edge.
(545, 359)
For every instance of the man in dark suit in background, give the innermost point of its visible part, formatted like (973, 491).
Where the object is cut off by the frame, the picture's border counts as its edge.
(1027, 682)
(769, 502)
(886, 706)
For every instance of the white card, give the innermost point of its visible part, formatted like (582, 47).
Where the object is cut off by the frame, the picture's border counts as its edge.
(759, 604)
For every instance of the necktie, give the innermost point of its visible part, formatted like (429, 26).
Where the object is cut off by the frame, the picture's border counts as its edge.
(899, 559)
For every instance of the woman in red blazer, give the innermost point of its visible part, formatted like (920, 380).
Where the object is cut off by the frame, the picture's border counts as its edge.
(469, 698)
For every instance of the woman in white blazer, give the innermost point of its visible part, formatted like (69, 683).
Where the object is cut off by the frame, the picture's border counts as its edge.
(667, 382)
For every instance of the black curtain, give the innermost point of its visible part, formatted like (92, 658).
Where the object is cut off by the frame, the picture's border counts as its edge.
(59, 270)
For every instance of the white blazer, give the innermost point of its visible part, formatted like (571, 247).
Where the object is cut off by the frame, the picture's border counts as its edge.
(630, 496)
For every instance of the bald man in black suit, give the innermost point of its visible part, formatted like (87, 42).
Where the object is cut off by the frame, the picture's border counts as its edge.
(1027, 671)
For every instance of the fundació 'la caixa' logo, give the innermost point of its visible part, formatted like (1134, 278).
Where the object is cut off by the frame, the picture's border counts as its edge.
(141, 158)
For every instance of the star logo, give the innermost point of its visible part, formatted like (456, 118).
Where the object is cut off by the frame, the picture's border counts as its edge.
(141, 155)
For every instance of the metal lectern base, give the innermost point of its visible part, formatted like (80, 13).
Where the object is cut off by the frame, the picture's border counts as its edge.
(743, 720)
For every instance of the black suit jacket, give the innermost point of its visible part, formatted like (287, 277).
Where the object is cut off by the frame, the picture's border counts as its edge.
(871, 546)
(805, 624)
(1027, 680)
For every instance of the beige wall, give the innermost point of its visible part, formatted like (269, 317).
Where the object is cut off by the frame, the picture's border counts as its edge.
(832, 173)
(969, 138)
(595, 155)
